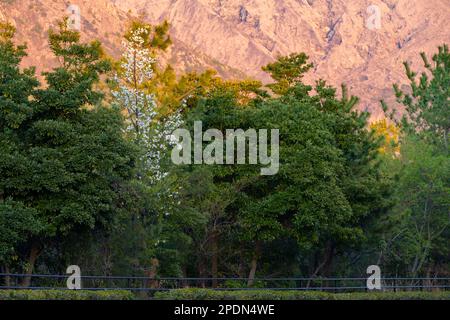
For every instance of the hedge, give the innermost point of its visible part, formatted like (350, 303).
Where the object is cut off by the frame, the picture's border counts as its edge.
(208, 294)
(65, 295)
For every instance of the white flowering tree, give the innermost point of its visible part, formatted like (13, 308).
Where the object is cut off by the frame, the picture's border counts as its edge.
(158, 191)
(144, 126)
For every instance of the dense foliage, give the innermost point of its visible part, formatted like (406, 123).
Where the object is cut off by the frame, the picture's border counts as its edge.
(63, 157)
(86, 176)
(65, 295)
(208, 294)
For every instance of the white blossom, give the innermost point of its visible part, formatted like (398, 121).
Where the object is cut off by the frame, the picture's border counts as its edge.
(141, 108)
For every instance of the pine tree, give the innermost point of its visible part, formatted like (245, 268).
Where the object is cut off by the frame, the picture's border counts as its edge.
(420, 222)
(427, 103)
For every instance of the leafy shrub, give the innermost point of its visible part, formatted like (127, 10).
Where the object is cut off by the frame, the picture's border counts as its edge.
(65, 295)
(208, 294)
(405, 295)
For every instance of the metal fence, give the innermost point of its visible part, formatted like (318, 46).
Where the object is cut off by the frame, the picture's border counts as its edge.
(146, 284)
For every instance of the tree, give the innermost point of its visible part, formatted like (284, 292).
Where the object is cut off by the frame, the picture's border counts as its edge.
(329, 182)
(390, 133)
(287, 71)
(63, 158)
(16, 86)
(150, 130)
(145, 129)
(419, 223)
(427, 109)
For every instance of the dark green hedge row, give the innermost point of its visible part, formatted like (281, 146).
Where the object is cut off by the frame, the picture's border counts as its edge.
(65, 295)
(207, 294)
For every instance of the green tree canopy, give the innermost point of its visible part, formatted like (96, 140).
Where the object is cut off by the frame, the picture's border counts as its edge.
(63, 158)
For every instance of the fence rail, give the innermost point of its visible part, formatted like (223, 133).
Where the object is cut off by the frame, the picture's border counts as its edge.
(146, 284)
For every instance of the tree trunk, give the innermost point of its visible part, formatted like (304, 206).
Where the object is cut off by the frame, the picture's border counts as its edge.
(329, 253)
(7, 281)
(184, 283)
(35, 251)
(151, 274)
(328, 267)
(214, 259)
(241, 268)
(201, 272)
(254, 264)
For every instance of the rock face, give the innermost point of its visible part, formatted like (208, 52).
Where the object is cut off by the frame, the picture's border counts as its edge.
(360, 43)
(99, 19)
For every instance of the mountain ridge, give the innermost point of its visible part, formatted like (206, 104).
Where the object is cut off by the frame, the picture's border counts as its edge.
(238, 37)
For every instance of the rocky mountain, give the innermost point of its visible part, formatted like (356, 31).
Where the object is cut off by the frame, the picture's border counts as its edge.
(358, 42)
